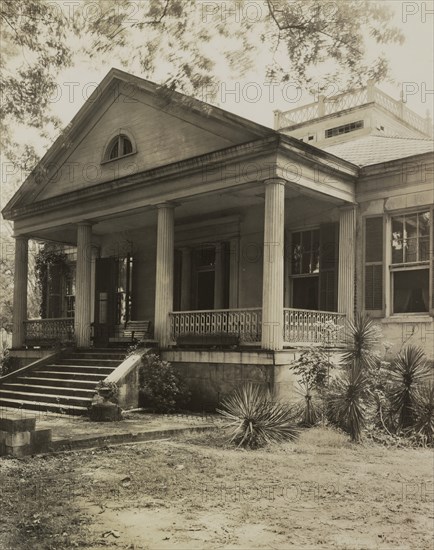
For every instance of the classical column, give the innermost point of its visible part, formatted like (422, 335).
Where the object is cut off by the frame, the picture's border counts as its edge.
(347, 261)
(185, 279)
(164, 273)
(83, 285)
(218, 280)
(272, 284)
(20, 291)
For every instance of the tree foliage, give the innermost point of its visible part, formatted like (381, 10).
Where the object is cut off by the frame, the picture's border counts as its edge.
(33, 34)
(190, 38)
(181, 44)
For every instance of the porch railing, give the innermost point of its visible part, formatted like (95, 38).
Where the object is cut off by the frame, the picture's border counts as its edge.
(42, 331)
(308, 326)
(244, 323)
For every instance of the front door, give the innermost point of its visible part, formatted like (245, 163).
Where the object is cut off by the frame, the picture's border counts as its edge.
(105, 300)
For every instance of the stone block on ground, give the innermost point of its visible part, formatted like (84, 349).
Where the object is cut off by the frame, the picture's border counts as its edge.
(15, 425)
(105, 412)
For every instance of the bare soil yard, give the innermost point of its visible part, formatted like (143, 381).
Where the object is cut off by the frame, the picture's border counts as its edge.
(193, 493)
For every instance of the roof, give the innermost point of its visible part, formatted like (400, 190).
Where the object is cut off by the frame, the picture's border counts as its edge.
(375, 149)
(115, 81)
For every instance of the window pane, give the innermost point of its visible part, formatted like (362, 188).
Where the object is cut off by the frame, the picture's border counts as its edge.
(296, 252)
(411, 291)
(306, 260)
(411, 250)
(315, 251)
(410, 238)
(424, 224)
(127, 147)
(424, 249)
(114, 153)
(397, 240)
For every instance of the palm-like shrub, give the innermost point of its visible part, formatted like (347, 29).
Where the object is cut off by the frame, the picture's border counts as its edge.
(409, 369)
(423, 409)
(254, 419)
(347, 400)
(363, 338)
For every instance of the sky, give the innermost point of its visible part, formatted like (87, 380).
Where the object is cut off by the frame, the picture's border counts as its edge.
(412, 69)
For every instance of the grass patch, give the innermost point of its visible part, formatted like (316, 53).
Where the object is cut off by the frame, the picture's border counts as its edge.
(194, 492)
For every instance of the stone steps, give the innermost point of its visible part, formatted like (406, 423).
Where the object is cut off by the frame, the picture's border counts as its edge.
(67, 385)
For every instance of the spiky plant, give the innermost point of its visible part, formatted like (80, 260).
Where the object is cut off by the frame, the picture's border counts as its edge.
(423, 409)
(407, 371)
(346, 401)
(254, 419)
(363, 338)
(309, 408)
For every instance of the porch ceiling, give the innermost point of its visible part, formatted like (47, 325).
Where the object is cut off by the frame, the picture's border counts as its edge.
(217, 204)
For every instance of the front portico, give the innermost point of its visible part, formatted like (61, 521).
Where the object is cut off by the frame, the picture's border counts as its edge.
(249, 246)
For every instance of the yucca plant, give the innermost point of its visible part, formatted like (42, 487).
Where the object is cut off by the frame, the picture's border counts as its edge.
(309, 407)
(347, 400)
(423, 409)
(254, 419)
(363, 338)
(407, 371)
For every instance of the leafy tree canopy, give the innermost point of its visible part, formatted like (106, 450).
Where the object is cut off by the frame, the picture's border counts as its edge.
(182, 44)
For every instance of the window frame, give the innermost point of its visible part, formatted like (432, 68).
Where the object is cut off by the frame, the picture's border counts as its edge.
(291, 273)
(118, 139)
(407, 266)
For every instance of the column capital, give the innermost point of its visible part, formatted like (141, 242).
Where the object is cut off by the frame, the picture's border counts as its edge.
(280, 181)
(168, 204)
(349, 207)
(21, 238)
(85, 223)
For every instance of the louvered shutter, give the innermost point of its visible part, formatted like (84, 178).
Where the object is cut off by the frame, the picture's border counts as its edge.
(328, 270)
(374, 263)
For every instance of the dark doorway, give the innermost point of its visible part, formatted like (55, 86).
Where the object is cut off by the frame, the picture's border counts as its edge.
(205, 289)
(105, 300)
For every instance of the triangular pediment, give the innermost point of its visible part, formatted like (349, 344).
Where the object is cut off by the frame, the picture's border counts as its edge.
(164, 127)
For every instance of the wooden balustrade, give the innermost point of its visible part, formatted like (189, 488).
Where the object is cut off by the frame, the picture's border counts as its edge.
(308, 326)
(49, 331)
(244, 323)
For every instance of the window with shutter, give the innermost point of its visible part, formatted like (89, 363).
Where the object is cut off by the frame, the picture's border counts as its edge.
(374, 263)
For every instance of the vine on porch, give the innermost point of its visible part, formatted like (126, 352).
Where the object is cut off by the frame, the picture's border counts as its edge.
(51, 262)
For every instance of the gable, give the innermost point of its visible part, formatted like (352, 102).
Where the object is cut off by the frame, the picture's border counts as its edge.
(161, 137)
(165, 130)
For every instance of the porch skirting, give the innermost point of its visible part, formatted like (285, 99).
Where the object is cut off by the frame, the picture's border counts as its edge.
(211, 375)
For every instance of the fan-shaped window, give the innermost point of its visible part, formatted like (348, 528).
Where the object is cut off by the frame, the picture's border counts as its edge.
(119, 147)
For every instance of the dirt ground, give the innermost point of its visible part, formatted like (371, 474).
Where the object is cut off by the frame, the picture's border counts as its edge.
(195, 493)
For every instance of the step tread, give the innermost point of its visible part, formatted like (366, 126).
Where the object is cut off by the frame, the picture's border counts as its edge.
(13, 385)
(38, 404)
(69, 372)
(37, 395)
(64, 380)
(56, 365)
(89, 359)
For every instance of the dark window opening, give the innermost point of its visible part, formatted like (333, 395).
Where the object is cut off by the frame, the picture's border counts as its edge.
(411, 291)
(344, 129)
